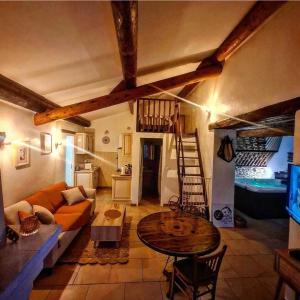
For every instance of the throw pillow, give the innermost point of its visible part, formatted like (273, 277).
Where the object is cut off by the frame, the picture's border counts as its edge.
(73, 195)
(44, 215)
(82, 190)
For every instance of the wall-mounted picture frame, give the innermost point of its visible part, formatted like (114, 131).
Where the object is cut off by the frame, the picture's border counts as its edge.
(46, 143)
(22, 155)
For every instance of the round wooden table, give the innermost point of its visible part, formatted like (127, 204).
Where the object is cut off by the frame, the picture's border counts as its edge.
(178, 234)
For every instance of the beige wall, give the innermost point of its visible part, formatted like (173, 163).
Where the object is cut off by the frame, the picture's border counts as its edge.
(115, 124)
(263, 71)
(106, 154)
(107, 162)
(44, 169)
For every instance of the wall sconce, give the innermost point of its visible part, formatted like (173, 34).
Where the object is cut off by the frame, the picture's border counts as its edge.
(57, 144)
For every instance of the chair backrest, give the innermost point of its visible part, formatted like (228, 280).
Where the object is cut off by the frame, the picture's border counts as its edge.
(212, 264)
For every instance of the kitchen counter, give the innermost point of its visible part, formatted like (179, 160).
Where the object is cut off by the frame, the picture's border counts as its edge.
(121, 187)
(87, 171)
(87, 178)
(119, 175)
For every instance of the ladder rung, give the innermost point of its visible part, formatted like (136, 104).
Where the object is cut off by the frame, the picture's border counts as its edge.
(192, 183)
(193, 175)
(189, 157)
(190, 166)
(189, 142)
(192, 193)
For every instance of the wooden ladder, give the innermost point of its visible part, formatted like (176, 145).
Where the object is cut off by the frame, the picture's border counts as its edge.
(190, 171)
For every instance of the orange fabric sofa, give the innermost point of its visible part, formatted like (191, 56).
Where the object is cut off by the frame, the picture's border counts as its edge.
(70, 217)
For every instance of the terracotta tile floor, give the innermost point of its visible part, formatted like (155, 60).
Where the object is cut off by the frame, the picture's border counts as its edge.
(246, 272)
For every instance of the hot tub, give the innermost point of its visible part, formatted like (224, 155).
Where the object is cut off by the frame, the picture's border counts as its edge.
(261, 198)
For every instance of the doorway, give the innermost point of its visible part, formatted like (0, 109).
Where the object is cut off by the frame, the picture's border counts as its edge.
(151, 169)
(69, 159)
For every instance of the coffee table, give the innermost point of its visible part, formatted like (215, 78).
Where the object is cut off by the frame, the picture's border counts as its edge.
(108, 225)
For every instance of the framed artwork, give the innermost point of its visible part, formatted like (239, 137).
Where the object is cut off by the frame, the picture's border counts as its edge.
(46, 143)
(22, 155)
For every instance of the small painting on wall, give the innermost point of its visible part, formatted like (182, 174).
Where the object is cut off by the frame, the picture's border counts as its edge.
(46, 143)
(22, 155)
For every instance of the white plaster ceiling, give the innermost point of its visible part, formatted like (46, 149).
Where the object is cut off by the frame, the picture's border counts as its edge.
(68, 52)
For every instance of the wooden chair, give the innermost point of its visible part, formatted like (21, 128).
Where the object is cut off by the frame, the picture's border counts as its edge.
(192, 273)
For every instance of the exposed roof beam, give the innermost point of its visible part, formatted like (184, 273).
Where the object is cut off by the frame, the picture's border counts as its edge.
(288, 107)
(125, 18)
(126, 95)
(126, 24)
(257, 16)
(263, 132)
(15, 93)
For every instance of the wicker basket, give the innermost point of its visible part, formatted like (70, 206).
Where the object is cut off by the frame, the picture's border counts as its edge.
(29, 225)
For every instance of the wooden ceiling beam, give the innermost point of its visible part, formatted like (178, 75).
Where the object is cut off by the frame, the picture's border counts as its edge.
(264, 132)
(126, 24)
(17, 94)
(260, 12)
(125, 15)
(258, 15)
(288, 107)
(126, 95)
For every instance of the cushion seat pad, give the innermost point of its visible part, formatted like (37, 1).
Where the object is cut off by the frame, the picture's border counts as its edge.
(70, 221)
(72, 217)
(80, 207)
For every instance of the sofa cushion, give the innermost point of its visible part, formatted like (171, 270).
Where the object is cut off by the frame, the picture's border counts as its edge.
(41, 199)
(44, 215)
(11, 212)
(82, 190)
(80, 207)
(70, 221)
(53, 193)
(73, 195)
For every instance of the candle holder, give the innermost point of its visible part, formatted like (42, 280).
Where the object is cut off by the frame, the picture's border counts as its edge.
(29, 226)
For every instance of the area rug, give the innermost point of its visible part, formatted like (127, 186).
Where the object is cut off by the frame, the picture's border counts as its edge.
(82, 250)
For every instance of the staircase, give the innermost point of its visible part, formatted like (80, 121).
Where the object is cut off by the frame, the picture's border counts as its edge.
(191, 178)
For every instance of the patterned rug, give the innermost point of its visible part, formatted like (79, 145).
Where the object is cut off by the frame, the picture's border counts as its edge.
(82, 250)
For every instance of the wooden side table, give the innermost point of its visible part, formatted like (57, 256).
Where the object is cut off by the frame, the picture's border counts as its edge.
(288, 269)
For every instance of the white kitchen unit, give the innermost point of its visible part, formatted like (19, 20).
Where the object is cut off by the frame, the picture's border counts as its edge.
(84, 142)
(87, 178)
(121, 187)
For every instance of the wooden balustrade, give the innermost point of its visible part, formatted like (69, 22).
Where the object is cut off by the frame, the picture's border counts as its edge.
(157, 115)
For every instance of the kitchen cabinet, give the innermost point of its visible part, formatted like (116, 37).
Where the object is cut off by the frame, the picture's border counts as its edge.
(87, 178)
(127, 144)
(121, 187)
(84, 143)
